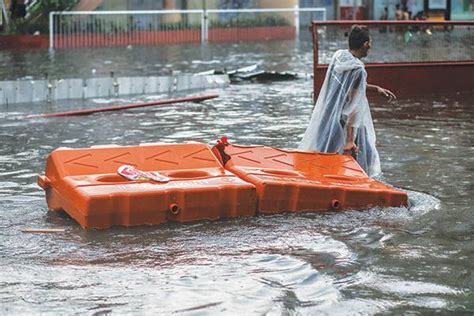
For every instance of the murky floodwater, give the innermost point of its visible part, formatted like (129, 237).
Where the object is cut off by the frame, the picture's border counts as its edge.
(157, 60)
(377, 261)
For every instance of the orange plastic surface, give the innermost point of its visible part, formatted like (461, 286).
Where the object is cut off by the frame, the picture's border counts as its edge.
(292, 181)
(84, 183)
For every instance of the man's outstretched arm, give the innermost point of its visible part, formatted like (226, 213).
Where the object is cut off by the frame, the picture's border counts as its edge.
(385, 92)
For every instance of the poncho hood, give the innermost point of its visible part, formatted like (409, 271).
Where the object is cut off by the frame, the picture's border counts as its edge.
(343, 60)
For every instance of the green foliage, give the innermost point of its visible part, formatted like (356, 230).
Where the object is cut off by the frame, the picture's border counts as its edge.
(19, 26)
(250, 22)
(38, 16)
(46, 6)
(179, 26)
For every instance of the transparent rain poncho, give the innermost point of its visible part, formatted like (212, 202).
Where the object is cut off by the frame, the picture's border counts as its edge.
(343, 102)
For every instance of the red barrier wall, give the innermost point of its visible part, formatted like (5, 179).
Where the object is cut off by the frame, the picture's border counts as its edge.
(23, 41)
(149, 37)
(133, 38)
(415, 78)
(252, 34)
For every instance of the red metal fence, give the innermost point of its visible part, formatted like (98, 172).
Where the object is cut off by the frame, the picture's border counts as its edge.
(409, 57)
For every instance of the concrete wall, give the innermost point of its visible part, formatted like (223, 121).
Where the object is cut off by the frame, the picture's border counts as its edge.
(27, 91)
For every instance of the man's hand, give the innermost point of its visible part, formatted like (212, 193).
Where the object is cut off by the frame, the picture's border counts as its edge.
(387, 93)
(350, 148)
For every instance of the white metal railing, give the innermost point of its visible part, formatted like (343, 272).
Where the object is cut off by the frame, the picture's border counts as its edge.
(78, 28)
(104, 28)
(3, 13)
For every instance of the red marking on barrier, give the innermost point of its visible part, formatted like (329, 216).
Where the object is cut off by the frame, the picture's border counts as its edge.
(166, 161)
(117, 156)
(158, 154)
(194, 153)
(283, 162)
(77, 158)
(274, 156)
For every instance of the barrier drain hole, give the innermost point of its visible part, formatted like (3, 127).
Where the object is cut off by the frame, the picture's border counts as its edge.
(174, 209)
(335, 204)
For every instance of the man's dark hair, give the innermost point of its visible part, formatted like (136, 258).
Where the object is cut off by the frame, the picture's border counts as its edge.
(358, 36)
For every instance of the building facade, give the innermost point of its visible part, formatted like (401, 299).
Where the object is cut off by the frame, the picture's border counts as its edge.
(335, 9)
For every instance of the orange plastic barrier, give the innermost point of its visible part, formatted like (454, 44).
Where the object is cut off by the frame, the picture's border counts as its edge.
(305, 181)
(85, 184)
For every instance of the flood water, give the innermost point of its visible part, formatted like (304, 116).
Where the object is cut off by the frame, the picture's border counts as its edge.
(396, 260)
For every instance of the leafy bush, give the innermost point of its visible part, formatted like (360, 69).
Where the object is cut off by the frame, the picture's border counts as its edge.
(38, 16)
(250, 22)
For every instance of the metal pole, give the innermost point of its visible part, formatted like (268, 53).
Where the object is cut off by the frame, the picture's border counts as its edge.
(206, 25)
(448, 10)
(51, 31)
(297, 21)
(314, 33)
(203, 26)
(314, 30)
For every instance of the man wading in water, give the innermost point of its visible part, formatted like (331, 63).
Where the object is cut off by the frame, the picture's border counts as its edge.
(341, 120)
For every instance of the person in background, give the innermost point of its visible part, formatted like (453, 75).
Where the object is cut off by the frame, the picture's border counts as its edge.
(411, 6)
(341, 121)
(406, 15)
(420, 16)
(17, 9)
(398, 12)
(384, 15)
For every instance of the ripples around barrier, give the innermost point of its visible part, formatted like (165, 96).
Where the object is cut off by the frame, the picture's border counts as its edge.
(416, 259)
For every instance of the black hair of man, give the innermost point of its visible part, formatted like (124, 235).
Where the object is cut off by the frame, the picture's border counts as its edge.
(358, 36)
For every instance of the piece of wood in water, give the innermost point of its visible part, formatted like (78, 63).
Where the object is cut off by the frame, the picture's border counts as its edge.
(44, 230)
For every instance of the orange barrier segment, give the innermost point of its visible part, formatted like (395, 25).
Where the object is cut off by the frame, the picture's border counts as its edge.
(84, 183)
(298, 181)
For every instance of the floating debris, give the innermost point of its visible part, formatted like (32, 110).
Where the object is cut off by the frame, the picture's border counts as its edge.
(44, 230)
(253, 73)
